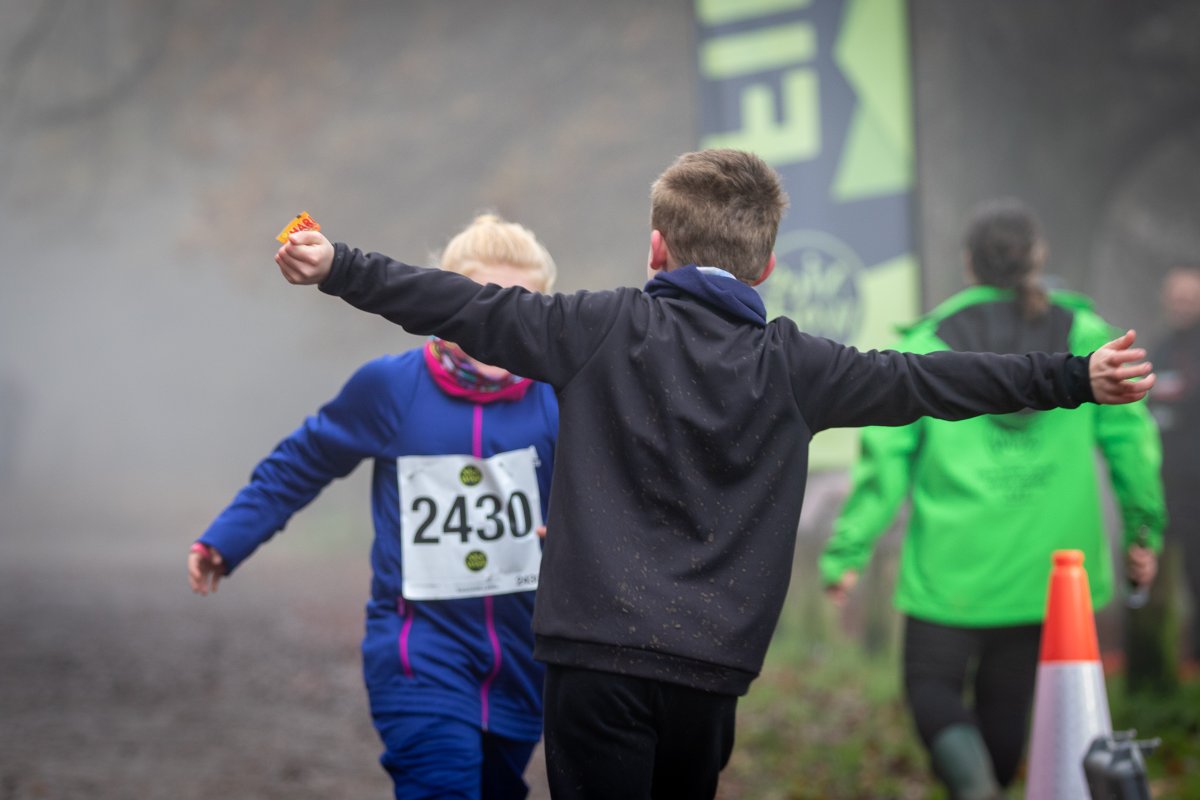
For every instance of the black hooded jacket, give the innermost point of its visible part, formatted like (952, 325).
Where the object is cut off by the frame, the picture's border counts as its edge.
(685, 419)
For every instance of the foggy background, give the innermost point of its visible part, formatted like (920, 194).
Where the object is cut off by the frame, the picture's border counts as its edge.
(150, 353)
(152, 150)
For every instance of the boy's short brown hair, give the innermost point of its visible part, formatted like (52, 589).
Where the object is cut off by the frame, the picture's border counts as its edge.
(719, 208)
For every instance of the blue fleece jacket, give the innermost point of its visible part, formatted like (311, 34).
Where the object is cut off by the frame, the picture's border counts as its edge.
(467, 658)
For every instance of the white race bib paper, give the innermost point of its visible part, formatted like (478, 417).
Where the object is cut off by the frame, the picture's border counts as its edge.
(469, 525)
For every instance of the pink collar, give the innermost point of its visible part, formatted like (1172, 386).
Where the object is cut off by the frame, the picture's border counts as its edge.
(453, 376)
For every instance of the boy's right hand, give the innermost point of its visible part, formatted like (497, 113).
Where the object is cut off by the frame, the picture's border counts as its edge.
(205, 568)
(306, 258)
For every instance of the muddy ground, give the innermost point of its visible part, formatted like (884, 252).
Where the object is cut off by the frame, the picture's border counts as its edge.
(116, 683)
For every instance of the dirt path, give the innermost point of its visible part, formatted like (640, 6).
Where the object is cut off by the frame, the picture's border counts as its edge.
(118, 683)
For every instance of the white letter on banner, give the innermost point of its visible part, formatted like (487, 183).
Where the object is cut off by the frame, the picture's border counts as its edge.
(795, 137)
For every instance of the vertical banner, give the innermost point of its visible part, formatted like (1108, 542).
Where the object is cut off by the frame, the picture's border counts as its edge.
(821, 90)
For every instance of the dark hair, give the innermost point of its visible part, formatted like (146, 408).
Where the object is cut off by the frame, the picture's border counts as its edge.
(719, 208)
(1002, 242)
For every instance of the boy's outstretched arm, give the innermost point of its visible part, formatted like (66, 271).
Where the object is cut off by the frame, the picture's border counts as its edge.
(305, 258)
(544, 337)
(1112, 367)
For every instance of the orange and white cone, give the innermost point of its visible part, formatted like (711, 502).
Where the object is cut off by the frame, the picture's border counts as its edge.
(1070, 706)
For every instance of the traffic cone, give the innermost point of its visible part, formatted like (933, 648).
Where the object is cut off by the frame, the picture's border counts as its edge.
(1070, 706)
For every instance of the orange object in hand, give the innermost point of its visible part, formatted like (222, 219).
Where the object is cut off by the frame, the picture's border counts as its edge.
(302, 222)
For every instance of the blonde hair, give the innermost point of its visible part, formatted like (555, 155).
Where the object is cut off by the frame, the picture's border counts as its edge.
(719, 208)
(491, 241)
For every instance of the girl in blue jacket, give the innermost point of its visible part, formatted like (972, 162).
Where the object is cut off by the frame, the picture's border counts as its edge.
(463, 454)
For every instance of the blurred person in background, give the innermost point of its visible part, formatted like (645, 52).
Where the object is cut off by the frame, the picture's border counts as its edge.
(991, 498)
(1175, 403)
(462, 454)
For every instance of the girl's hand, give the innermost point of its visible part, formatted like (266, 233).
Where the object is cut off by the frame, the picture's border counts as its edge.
(205, 568)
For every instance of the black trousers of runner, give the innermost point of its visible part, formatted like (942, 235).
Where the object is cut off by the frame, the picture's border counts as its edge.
(1001, 666)
(614, 736)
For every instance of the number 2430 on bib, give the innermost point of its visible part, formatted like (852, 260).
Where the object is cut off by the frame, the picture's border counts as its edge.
(468, 525)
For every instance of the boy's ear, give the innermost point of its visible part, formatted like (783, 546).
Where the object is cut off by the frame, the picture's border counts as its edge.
(660, 254)
(767, 270)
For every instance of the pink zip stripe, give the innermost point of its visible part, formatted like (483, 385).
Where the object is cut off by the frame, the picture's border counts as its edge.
(405, 612)
(477, 433)
(497, 658)
(488, 602)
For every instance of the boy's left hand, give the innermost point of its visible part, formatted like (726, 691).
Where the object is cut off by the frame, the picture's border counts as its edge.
(1111, 368)
(306, 258)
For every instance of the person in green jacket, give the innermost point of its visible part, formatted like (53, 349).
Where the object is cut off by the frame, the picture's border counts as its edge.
(991, 498)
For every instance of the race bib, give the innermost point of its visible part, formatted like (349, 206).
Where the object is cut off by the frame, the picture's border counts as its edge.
(469, 525)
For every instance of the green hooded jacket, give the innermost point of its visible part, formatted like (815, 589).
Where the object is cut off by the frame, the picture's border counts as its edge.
(992, 497)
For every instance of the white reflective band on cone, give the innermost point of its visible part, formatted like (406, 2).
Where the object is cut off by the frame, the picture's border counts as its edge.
(1070, 710)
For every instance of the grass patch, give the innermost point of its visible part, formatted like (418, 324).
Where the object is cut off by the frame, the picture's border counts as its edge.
(1174, 767)
(831, 726)
(826, 719)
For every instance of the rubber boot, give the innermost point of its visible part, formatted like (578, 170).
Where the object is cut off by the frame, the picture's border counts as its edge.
(961, 760)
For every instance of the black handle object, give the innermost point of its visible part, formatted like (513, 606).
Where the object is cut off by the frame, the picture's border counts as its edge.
(1115, 767)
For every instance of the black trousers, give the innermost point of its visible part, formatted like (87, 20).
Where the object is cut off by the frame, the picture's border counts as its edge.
(613, 736)
(1000, 667)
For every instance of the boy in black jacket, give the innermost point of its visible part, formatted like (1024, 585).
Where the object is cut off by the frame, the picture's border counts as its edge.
(685, 418)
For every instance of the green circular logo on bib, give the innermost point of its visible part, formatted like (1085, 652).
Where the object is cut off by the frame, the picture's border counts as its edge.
(476, 560)
(470, 475)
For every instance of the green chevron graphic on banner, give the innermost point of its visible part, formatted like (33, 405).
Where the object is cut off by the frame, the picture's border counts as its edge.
(872, 51)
